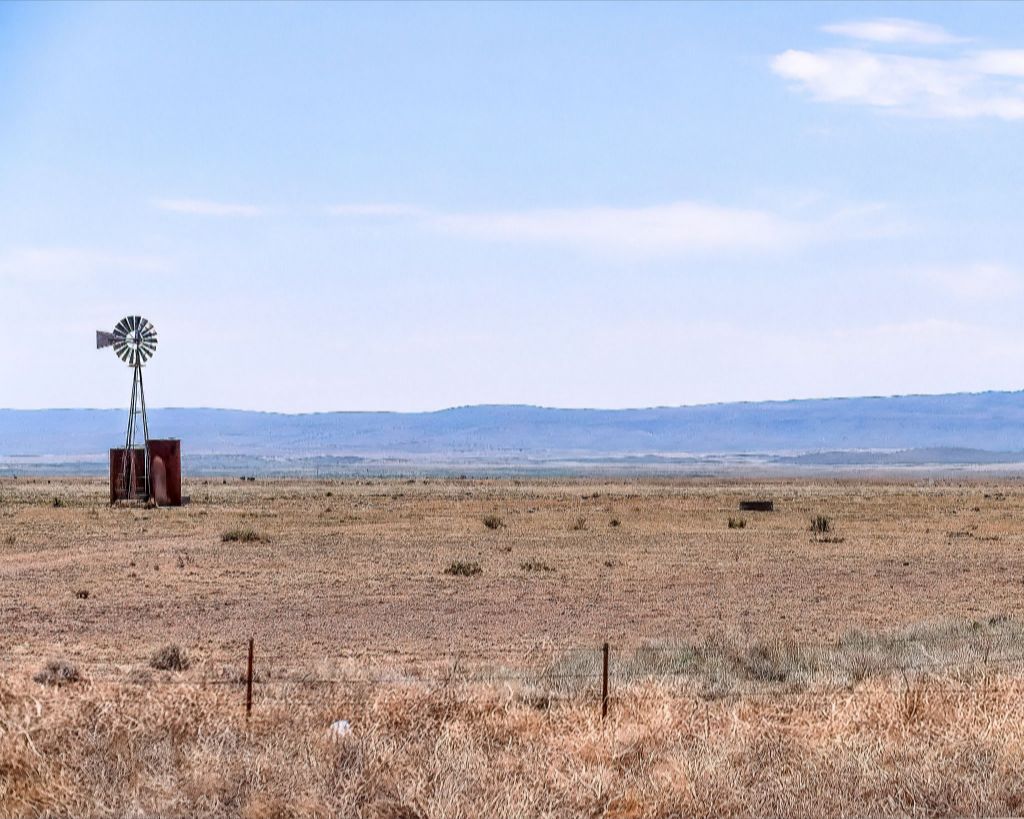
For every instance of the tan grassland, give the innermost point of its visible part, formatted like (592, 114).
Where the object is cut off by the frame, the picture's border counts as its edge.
(873, 668)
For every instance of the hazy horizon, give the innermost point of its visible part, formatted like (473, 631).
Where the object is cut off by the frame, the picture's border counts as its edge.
(516, 404)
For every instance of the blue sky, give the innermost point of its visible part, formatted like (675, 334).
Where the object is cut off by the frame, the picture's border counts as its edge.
(417, 206)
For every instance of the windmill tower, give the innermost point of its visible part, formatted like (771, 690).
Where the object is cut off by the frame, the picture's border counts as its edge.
(134, 342)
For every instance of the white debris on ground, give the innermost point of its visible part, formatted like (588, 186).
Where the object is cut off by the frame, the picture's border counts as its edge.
(340, 728)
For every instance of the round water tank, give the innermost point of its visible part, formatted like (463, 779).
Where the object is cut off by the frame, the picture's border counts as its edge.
(158, 480)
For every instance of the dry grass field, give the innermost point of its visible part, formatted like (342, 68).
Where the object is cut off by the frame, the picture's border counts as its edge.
(759, 667)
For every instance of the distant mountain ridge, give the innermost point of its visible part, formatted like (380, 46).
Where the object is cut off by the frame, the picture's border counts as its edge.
(989, 421)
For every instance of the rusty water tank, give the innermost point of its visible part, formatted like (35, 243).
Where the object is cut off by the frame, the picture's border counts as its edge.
(164, 472)
(134, 487)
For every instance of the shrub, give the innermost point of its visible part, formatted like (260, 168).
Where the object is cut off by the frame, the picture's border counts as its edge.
(535, 566)
(10, 540)
(57, 672)
(579, 524)
(169, 658)
(821, 525)
(58, 503)
(463, 568)
(737, 523)
(241, 536)
(493, 522)
(614, 522)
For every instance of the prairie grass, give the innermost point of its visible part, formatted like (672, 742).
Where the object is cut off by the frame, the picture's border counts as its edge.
(169, 658)
(241, 535)
(479, 697)
(56, 672)
(942, 747)
(463, 568)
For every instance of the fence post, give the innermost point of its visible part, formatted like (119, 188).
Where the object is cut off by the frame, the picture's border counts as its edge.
(604, 682)
(248, 682)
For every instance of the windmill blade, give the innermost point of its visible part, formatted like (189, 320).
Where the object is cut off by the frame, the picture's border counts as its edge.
(134, 340)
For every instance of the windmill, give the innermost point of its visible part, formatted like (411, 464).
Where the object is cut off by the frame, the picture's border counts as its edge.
(134, 342)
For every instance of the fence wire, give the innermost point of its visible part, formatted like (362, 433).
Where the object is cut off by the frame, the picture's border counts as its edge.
(958, 664)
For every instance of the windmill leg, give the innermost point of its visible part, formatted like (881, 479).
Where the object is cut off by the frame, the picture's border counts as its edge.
(145, 433)
(128, 479)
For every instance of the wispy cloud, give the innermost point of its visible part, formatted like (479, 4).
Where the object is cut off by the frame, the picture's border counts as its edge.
(375, 209)
(977, 281)
(62, 264)
(676, 228)
(202, 207)
(893, 30)
(1005, 62)
(960, 85)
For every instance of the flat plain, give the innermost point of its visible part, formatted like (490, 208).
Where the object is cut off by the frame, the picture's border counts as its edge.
(358, 568)
(372, 600)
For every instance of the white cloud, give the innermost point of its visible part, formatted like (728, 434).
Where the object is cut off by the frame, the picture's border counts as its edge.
(977, 281)
(201, 207)
(374, 209)
(1007, 62)
(893, 30)
(50, 264)
(968, 84)
(677, 228)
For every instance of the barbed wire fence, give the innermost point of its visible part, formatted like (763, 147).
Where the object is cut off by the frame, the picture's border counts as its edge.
(953, 665)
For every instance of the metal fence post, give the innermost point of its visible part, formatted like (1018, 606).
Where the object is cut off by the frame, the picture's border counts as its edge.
(604, 682)
(248, 682)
